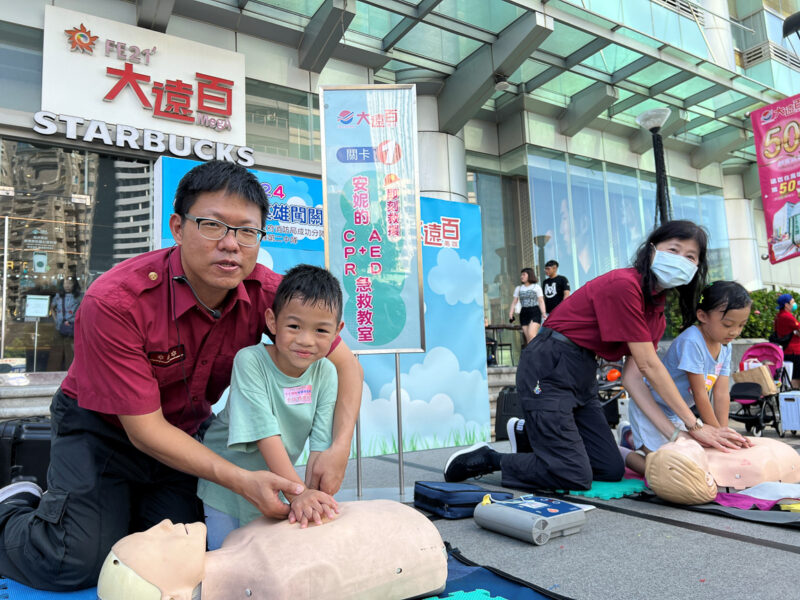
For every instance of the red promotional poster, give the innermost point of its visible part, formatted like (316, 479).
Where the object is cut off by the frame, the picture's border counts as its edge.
(777, 137)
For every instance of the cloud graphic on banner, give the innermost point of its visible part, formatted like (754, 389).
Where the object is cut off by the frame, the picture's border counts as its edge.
(440, 375)
(426, 423)
(265, 258)
(456, 279)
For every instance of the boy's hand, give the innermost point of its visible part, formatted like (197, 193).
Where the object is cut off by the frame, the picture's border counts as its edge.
(312, 505)
(328, 470)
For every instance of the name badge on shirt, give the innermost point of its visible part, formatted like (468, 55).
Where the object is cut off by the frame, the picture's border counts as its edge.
(297, 395)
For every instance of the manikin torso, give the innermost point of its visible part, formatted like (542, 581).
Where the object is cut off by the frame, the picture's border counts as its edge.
(682, 471)
(376, 549)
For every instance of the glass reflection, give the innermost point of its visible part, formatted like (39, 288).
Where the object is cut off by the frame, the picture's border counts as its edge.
(71, 215)
(596, 215)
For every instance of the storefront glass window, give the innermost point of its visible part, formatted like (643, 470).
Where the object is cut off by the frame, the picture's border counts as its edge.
(70, 215)
(551, 217)
(712, 205)
(20, 66)
(627, 215)
(589, 236)
(282, 121)
(501, 250)
(596, 215)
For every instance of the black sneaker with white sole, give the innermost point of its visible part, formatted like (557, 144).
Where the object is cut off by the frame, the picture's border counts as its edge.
(21, 493)
(470, 462)
(515, 428)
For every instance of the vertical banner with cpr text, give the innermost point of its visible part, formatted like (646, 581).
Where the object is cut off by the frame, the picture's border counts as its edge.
(372, 214)
(777, 139)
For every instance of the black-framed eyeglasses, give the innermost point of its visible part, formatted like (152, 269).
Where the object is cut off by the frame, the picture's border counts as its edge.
(211, 229)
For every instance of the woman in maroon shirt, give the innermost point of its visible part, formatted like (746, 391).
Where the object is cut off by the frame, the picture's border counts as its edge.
(787, 324)
(566, 441)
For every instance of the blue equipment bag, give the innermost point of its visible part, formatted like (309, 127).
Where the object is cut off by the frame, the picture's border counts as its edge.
(452, 500)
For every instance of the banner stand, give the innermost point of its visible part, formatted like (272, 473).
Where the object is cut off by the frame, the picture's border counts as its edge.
(400, 494)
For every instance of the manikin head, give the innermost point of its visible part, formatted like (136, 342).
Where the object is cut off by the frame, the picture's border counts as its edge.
(166, 562)
(679, 472)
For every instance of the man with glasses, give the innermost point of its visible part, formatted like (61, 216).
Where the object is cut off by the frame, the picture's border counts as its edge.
(155, 339)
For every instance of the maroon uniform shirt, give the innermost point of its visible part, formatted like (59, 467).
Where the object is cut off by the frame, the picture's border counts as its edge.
(786, 323)
(143, 343)
(609, 311)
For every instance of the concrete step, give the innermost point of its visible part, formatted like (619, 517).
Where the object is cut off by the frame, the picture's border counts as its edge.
(27, 394)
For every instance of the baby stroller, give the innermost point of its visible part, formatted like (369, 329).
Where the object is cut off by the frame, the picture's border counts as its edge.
(757, 410)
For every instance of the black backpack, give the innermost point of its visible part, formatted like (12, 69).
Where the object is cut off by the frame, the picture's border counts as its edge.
(782, 340)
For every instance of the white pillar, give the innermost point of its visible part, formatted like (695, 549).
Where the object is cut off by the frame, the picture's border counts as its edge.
(718, 32)
(442, 157)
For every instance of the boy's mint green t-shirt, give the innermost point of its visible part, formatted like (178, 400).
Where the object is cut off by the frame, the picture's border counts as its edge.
(263, 402)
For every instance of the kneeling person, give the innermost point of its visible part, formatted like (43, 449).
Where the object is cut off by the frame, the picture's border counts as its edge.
(281, 395)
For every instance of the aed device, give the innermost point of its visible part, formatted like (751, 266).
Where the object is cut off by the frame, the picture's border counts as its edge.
(532, 519)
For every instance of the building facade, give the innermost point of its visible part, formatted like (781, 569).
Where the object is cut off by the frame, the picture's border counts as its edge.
(525, 107)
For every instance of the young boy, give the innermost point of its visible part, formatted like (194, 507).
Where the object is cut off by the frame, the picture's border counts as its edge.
(281, 394)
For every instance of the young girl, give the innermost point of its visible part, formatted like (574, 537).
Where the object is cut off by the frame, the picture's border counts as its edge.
(529, 293)
(699, 362)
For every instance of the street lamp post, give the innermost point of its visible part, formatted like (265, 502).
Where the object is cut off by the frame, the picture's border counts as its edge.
(541, 242)
(653, 120)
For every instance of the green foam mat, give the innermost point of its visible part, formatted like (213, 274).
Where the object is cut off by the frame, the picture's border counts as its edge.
(606, 490)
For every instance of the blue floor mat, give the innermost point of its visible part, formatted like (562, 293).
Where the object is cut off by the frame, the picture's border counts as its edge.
(465, 581)
(12, 590)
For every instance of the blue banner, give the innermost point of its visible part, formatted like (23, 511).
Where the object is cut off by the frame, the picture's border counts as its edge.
(445, 396)
(294, 225)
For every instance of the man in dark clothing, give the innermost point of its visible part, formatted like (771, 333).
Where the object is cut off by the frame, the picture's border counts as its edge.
(556, 287)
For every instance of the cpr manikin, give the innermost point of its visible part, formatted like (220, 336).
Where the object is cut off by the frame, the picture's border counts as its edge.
(686, 473)
(373, 549)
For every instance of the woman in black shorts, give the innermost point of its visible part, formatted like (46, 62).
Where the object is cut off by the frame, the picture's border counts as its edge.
(529, 294)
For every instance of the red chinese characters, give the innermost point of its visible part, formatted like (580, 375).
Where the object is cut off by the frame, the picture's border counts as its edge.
(444, 234)
(360, 200)
(214, 95)
(172, 98)
(127, 77)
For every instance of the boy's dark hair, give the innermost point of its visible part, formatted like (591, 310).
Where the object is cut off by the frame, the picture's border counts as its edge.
(551, 263)
(312, 285)
(531, 275)
(216, 175)
(727, 295)
(687, 294)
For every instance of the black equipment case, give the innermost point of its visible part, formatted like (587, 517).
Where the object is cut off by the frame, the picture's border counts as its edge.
(508, 405)
(452, 500)
(25, 449)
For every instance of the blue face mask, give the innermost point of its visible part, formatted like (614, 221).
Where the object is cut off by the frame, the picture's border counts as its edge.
(672, 270)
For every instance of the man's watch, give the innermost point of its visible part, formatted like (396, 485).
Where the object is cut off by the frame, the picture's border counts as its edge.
(697, 425)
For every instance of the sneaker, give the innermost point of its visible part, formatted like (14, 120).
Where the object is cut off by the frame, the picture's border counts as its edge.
(515, 428)
(625, 435)
(21, 493)
(470, 462)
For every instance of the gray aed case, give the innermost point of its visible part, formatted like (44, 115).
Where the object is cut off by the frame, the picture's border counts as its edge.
(533, 519)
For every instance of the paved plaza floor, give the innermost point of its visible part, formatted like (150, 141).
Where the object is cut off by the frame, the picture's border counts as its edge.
(627, 550)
